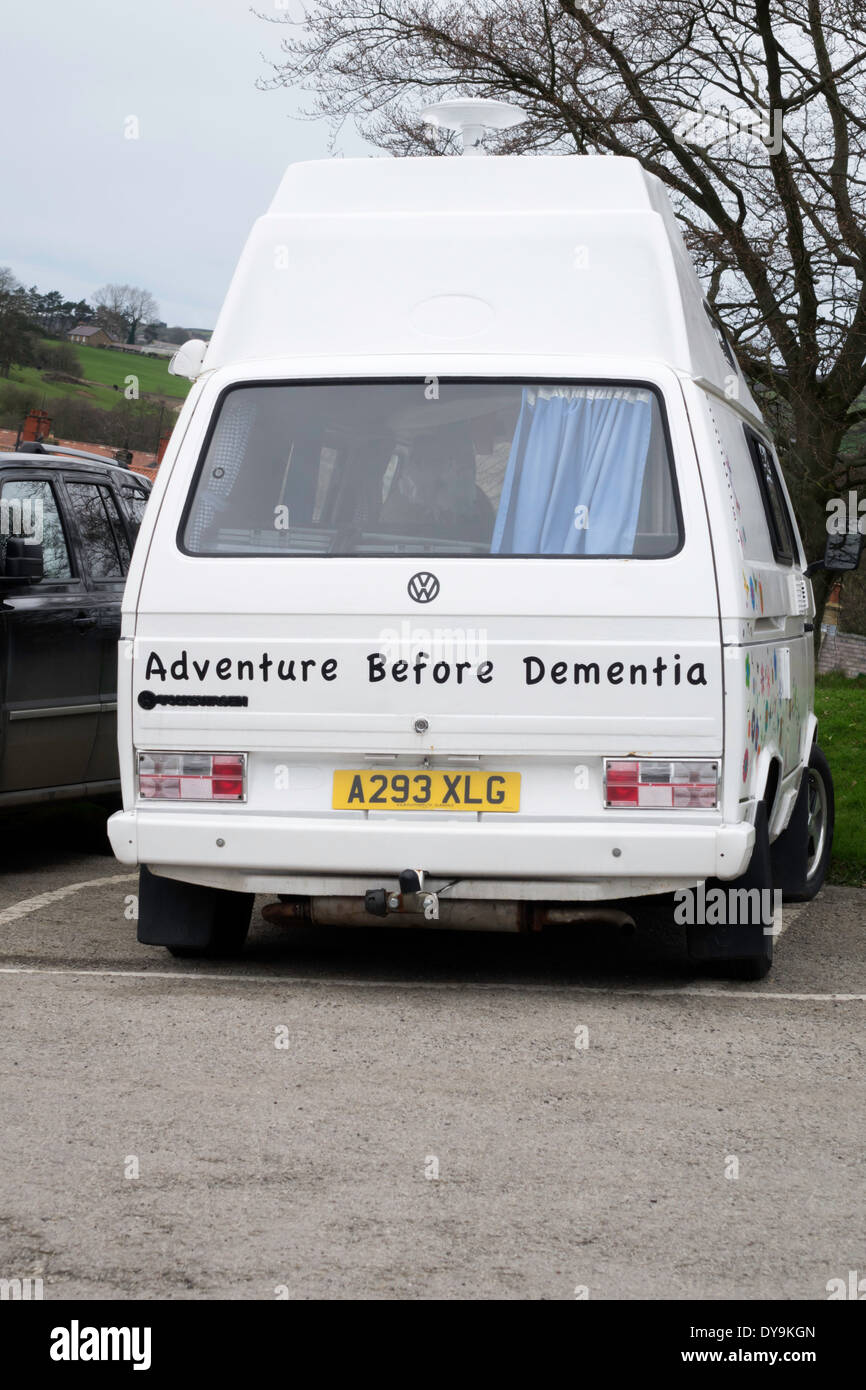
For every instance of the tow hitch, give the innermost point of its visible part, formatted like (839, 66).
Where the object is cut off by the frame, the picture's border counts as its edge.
(413, 897)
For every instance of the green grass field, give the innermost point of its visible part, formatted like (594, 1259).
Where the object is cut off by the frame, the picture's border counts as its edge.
(102, 396)
(104, 369)
(110, 367)
(840, 704)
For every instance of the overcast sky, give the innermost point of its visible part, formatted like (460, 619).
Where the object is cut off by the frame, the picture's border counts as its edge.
(83, 205)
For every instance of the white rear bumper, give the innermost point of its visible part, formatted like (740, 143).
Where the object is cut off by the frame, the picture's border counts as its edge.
(255, 845)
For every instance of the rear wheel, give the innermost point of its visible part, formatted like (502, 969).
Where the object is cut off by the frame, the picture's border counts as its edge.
(801, 854)
(190, 919)
(741, 946)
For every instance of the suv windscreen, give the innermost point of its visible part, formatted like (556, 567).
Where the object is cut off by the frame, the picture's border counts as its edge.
(435, 467)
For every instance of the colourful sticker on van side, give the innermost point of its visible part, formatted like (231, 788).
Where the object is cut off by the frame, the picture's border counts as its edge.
(754, 591)
(769, 718)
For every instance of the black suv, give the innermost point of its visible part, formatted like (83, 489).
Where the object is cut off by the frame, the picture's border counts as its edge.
(68, 522)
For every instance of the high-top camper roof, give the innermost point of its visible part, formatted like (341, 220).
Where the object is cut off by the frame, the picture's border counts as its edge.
(573, 255)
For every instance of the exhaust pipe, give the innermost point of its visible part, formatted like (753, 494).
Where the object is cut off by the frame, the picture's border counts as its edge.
(464, 914)
(564, 915)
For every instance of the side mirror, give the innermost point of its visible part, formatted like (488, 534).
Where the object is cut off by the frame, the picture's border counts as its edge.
(842, 553)
(24, 560)
(189, 359)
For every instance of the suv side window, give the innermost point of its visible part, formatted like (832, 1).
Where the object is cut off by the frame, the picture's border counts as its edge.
(116, 519)
(135, 501)
(779, 521)
(99, 538)
(28, 508)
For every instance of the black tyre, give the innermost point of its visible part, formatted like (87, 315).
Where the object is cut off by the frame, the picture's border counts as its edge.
(751, 967)
(801, 854)
(741, 949)
(191, 920)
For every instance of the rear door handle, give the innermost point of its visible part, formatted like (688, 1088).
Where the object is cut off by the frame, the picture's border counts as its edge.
(84, 621)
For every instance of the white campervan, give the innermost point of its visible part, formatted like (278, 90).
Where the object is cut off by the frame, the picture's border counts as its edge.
(469, 591)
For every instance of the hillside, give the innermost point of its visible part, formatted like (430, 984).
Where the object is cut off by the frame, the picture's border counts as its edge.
(92, 403)
(110, 367)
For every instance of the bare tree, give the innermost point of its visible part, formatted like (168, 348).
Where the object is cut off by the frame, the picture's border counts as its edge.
(141, 307)
(751, 112)
(109, 302)
(120, 309)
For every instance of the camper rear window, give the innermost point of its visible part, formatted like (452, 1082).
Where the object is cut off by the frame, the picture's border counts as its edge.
(435, 467)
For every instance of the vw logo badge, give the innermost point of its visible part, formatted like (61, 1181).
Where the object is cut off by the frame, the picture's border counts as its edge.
(423, 588)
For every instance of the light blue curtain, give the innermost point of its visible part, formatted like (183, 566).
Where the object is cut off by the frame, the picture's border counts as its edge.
(575, 447)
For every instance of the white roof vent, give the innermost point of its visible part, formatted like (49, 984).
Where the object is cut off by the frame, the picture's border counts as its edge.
(470, 116)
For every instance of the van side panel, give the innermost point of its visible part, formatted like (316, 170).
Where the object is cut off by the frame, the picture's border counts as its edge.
(765, 607)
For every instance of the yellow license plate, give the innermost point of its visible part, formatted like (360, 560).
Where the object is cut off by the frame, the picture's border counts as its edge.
(426, 791)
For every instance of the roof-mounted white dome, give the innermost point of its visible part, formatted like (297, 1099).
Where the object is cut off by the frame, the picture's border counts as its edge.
(470, 116)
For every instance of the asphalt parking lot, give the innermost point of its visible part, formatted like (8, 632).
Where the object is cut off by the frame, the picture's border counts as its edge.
(391, 1114)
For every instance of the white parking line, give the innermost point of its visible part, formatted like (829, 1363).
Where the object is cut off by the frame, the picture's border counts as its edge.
(463, 987)
(56, 895)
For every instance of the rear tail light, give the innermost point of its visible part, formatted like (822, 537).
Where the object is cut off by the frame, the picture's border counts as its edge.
(192, 776)
(656, 784)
